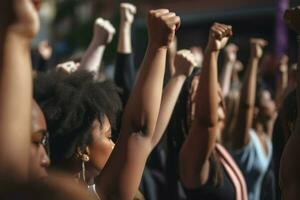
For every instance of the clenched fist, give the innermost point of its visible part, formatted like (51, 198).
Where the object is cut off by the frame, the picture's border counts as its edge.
(292, 18)
(127, 11)
(256, 46)
(184, 62)
(162, 26)
(103, 31)
(20, 17)
(231, 52)
(218, 36)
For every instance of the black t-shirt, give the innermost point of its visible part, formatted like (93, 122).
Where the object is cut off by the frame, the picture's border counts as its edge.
(225, 191)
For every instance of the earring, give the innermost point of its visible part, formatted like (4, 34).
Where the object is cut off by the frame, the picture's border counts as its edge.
(84, 158)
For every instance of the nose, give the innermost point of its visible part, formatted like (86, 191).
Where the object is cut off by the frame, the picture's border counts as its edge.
(45, 160)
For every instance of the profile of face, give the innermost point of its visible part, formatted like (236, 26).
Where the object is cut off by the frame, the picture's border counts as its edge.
(267, 107)
(39, 160)
(101, 147)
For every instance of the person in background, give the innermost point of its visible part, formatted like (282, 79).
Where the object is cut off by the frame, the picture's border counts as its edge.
(207, 170)
(289, 166)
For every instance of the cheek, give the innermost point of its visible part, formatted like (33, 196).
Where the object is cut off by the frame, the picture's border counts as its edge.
(100, 151)
(36, 170)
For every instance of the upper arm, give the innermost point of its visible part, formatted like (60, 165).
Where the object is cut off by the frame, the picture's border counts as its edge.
(195, 154)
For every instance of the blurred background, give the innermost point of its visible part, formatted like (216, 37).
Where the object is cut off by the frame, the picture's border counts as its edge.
(68, 25)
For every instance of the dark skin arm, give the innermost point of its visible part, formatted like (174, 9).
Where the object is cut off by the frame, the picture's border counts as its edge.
(184, 63)
(230, 59)
(247, 99)
(121, 176)
(196, 150)
(19, 24)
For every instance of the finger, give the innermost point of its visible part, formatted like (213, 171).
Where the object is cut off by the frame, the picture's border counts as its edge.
(168, 15)
(130, 7)
(216, 33)
(174, 22)
(159, 12)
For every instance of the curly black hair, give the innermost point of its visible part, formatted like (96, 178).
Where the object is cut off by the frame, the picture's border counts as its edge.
(70, 104)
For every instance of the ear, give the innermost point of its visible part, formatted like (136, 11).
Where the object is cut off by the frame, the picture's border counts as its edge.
(83, 155)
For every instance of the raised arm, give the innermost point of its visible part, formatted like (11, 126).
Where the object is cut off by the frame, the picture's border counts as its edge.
(124, 68)
(103, 35)
(184, 64)
(240, 136)
(122, 174)
(127, 17)
(230, 59)
(197, 149)
(19, 24)
(282, 83)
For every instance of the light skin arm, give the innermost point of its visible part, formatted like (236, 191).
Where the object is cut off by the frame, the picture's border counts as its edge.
(184, 65)
(122, 174)
(196, 150)
(16, 87)
(247, 99)
(230, 59)
(103, 35)
(127, 16)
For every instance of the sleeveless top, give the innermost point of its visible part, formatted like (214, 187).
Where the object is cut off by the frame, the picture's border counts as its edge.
(233, 186)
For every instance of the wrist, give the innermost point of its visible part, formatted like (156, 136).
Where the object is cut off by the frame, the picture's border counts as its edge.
(12, 35)
(211, 51)
(157, 46)
(179, 77)
(254, 58)
(125, 24)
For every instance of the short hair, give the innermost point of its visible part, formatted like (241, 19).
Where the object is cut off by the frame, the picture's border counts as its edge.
(70, 104)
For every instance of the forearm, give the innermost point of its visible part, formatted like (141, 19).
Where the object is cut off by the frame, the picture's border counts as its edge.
(124, 43)
(15, 106)
(143, 105)
(246, 107)
(282, 85)
(226, 78)
(169, 99)
(92, 58)
(249, 86)
(207, 94)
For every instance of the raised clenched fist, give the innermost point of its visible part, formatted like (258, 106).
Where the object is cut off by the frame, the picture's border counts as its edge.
(292, 18)
(162, 25)
(127, 11)
(103, 31)
(231, 52)
(257, 45)
(218, 36)
(283, 63)
(184, 62)
(20, 17)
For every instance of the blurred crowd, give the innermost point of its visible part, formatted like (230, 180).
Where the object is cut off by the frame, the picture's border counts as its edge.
(186, 124)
